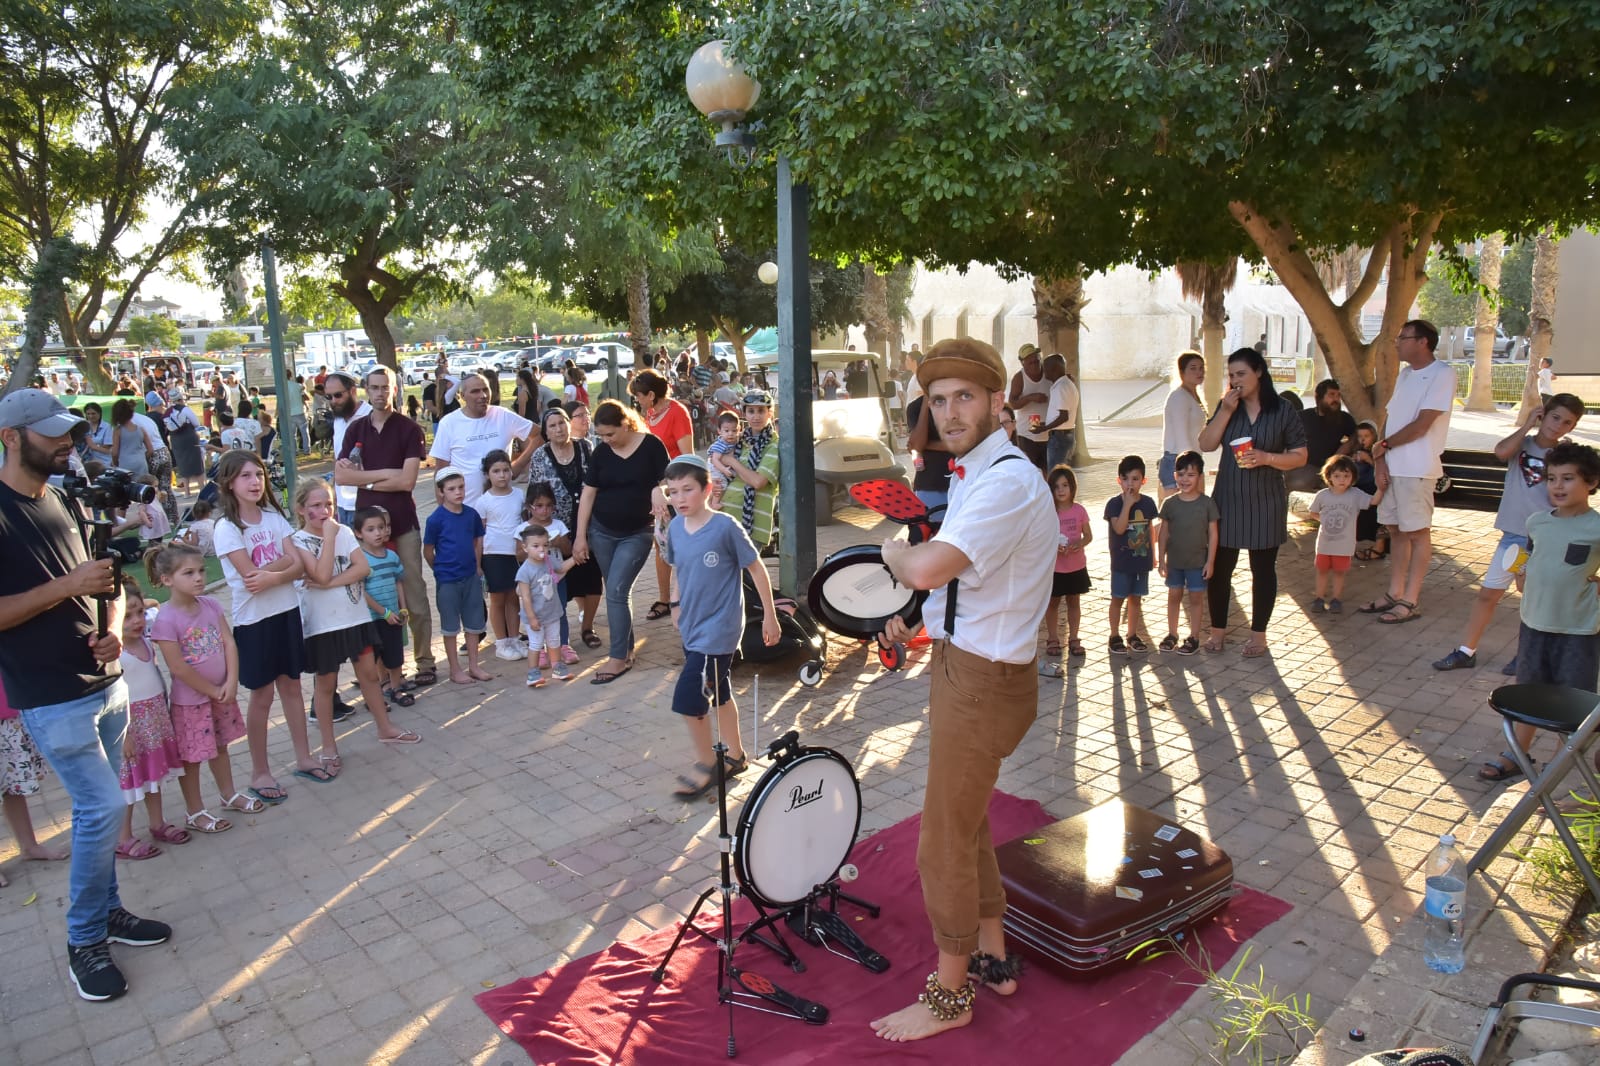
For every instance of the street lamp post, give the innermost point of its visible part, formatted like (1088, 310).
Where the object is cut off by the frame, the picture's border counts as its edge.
(724, 92)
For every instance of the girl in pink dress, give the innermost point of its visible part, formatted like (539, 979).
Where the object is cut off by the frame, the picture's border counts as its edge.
(193, 635)
(21, 768)
(150, 748)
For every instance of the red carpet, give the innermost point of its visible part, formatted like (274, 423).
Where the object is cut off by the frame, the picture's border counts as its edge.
(605, 1009)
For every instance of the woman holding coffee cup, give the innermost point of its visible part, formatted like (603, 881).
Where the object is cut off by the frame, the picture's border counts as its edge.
(1261, 437)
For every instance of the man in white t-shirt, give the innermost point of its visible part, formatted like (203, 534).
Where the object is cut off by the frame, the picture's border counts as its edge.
(1061, 414)
(343, 409)
(464, 437)
(1408, 466)
(985, 604)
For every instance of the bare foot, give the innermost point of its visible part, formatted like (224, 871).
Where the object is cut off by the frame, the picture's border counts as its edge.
(4, 881)
(460, 677)
(40, 853)
(915, 1022)
(480, 674)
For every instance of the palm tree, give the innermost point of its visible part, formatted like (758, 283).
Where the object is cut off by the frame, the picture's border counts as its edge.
(1209, 283)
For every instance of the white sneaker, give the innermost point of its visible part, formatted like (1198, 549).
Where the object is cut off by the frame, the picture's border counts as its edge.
(507, 650)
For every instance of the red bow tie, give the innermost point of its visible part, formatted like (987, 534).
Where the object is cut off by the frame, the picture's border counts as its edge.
(958, 470)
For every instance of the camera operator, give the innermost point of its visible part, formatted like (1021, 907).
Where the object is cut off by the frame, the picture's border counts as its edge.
(62, 673)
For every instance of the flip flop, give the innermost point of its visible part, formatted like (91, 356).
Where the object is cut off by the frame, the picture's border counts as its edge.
(606, 679)
(271, 795)
(408, 737)
(316, 773)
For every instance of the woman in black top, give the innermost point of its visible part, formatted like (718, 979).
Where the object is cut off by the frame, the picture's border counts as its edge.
(1250, 492)
(932, 480)
(560, 463)
(621, 499)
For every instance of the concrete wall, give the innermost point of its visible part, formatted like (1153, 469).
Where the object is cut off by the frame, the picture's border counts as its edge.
(1577, 321)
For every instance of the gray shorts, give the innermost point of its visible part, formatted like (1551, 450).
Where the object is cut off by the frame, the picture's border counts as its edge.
(1570, 659)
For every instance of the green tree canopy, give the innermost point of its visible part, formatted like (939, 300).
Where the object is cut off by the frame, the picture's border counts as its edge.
(153, 331)
(220, 340)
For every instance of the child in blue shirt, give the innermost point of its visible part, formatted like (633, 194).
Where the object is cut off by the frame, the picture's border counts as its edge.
(386, 597)
(709, 549)
(1130, 514)
(452, 543)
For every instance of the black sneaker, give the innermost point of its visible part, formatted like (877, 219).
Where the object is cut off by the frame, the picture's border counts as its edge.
(1456, 660)
(125, 928)
(94, 974)
(341, 710)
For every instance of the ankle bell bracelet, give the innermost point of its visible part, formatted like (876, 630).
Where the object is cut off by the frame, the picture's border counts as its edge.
(946, 1004)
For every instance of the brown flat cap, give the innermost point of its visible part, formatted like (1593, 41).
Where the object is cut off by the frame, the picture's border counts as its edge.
(965, 358)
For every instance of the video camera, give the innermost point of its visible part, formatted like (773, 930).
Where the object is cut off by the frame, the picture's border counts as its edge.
(112, 489)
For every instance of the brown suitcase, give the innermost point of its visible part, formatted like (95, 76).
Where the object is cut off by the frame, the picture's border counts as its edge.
(1089, 889)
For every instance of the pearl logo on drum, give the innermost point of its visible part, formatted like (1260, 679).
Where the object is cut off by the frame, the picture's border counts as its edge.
(800, 797)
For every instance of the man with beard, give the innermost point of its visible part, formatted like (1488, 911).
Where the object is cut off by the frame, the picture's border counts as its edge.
(987, 598)
(63, 675)
(1330, 431)
(464, 437)
(343, 409)
(392, 450)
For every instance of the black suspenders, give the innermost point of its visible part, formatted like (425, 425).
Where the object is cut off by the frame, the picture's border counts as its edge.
(950, 589)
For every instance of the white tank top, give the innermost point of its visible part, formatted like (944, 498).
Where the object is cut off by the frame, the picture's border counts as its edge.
(143, 678)
(1035, 401)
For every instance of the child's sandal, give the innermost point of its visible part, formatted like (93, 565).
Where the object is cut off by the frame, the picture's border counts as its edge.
(399, 696)
(203, 821)
(243, 804)
(168, 833)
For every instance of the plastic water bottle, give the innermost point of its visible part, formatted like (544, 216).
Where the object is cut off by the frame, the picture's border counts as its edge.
(1444, 942)
(355, 456)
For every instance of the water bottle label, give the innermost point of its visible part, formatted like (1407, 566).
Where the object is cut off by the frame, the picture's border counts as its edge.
(1443, 903)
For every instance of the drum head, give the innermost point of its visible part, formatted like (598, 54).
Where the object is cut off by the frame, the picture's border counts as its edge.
(797, 828)
(855, 594)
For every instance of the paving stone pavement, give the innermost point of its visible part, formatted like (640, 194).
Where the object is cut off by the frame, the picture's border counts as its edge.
(354, 923)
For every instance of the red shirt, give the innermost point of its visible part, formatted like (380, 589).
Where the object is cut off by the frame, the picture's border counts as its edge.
(387, 449)
(674, 425)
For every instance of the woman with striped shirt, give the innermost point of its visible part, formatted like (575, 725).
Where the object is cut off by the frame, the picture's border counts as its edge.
(1261, 437)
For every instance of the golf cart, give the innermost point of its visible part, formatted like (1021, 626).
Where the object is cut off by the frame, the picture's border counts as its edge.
(853, 437)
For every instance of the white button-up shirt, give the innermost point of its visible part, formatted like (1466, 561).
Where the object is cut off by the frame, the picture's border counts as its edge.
(1002, 518)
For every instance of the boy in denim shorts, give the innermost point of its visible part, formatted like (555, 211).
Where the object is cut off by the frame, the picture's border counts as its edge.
(1186, 549)
(1130, 514)
(452, 543)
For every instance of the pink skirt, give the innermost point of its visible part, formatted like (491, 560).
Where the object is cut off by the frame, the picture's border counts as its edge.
(150, 750)
(206, 729)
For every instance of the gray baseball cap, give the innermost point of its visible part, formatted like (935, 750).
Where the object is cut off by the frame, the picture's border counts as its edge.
(38, 411)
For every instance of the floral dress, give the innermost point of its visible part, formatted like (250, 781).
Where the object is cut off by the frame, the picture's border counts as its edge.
(150, 749)
(21, 766)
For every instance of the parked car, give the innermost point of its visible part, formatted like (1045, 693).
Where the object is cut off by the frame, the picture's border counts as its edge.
(599, 356)
(1502, 343)
(466, 362)
(418, 369)
(552, 357)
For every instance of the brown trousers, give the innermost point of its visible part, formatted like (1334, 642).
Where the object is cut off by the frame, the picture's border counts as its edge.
(978, 713)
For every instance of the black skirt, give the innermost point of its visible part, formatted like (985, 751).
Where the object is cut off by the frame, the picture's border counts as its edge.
(326, 652)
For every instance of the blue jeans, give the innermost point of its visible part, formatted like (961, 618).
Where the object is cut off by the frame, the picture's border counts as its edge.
(621, 557)
(82, 742)
(1058, 449)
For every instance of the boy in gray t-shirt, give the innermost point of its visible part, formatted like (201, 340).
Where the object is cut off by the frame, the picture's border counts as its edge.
(1337, 508)
(540, 603)
(710, 552)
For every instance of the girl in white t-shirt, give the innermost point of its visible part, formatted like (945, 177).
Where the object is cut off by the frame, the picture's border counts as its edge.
(250, 540)
(541, 511)
(338, 626)
(501, 509)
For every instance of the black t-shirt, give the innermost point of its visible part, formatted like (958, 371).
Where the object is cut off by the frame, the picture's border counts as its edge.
(47, 659)
(622, 502)
(935, 473)
(1324, 435)
(429, 391)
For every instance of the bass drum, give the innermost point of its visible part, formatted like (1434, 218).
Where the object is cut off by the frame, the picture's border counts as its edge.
(797, 828)
(855, 594)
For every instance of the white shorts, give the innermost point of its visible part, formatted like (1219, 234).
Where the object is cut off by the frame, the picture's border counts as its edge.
(1408, 503)
(1498, 577)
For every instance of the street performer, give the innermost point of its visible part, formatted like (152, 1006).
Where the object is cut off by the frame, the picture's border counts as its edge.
(983, 570)
(62, 673)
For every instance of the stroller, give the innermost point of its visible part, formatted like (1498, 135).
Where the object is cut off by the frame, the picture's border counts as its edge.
(797, 632)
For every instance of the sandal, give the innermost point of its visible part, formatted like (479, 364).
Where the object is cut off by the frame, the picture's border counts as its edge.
(1368, 555)
(1168, 643)
(1382, 606)
(243, 804)
(1053, 649)
(657, 609)
(399, 696)
(168, 833)
(407, 737)
(591, 639)
(737, 766)
(203, 821)
(271, 795)
(426, 677)
(693, 790)
(1076, 649)
(1499, 771)
(136, 849)
(332, 764)
(1393, 617)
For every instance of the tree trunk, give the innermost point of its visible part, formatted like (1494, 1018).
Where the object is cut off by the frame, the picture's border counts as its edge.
(1366, 371)
(89, 351)
(355, 286)
(639, 308)
(1481, 396)
(875, 309)
(57, 262)
(702, 343)
(737, 336)
(1058, 305)
(1541, 312)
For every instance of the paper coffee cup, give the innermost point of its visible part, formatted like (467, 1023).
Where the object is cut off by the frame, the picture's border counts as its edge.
(1514, 558)
(1241, 445)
